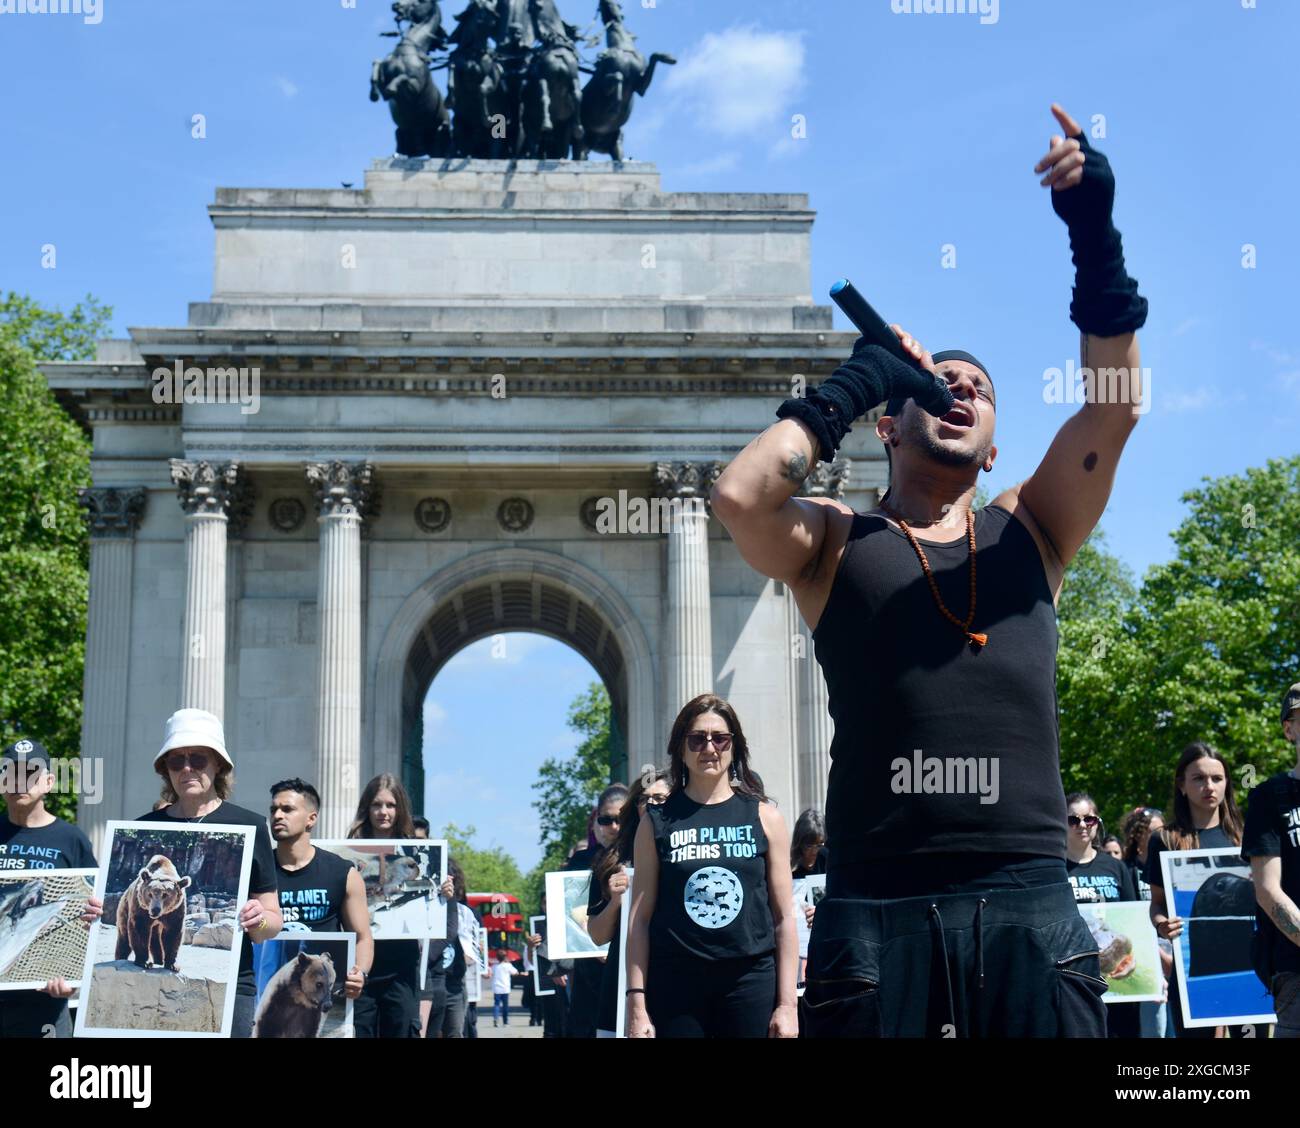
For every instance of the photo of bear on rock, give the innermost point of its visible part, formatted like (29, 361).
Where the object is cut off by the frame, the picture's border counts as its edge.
(151, 916)
(164, 957)
(300, 986)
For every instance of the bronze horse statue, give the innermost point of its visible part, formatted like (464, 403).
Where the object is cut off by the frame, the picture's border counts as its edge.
(405, 82)
(621, 72)
(477, 86)
(551, 107)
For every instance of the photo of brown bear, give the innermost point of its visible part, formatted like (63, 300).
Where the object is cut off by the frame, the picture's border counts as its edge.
(297, 999)
(164, 957)
(151, 916)
(301, 988)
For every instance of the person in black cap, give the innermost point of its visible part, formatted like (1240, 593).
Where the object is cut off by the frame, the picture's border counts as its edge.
(935, 627)
(32, 838)
(1272, 842)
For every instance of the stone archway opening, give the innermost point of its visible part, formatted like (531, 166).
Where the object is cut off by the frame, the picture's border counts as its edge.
(497, 607)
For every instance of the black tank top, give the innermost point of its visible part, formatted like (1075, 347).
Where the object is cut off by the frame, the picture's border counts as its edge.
(311, 899)
(712, 899)
(939, 748)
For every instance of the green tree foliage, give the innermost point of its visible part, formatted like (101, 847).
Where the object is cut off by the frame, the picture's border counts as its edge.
(1202, 651)
(567, 789)
(489, 870)
(44, 458)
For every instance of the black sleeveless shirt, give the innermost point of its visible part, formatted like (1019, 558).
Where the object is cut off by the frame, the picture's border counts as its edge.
(940, 749)
(712, 898)
(311, 899)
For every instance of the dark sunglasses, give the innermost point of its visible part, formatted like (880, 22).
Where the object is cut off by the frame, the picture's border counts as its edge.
(696, 741)
(196, 760)
(1087, 820)
(607, 820)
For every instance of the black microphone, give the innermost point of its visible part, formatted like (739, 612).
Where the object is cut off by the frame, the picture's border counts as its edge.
(877, 332)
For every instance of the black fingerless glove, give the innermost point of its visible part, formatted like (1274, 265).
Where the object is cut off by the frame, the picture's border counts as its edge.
(1106, 300)
(871, 376)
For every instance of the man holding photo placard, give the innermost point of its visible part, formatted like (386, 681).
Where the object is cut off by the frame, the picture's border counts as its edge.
(1271, 841)
(32, 838)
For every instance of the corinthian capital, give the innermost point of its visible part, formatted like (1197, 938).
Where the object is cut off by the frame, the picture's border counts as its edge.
(213, 488)
(686, 479)
(343, 489)
(112, 512)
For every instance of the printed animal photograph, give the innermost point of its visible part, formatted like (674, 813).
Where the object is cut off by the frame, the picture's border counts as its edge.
(1130, 950)
(301, 984)
(41, 934)
(566, 891)
(807, 891)
(1212, 891)
(402, 877)
(537, 927)
(165, 955)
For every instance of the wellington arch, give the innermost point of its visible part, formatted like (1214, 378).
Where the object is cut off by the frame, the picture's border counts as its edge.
(456, 363)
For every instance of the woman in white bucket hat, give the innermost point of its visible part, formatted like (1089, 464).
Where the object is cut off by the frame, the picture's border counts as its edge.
(197, 778)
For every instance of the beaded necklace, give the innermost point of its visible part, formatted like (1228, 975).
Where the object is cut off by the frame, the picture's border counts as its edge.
(977, 639)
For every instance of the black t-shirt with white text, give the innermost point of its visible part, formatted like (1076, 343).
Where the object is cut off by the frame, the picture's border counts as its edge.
(57, 846)
(712, 899)
(1103, 879)
(311, 898)
(1273, 830)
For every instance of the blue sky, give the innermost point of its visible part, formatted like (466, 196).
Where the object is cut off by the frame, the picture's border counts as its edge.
(922, 130)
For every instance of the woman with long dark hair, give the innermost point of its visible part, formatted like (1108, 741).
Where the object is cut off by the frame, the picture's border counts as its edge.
(808, 844)
(711, 934)
(389, 1005)
(609, 884)
(1205, 816)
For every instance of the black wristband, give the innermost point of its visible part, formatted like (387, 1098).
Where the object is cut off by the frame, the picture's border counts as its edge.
(871, 376)
(1106, 301)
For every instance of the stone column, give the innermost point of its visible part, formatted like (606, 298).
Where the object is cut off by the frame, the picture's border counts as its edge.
(688, 647)
(345, 496)
(113, 516)
(210, 494)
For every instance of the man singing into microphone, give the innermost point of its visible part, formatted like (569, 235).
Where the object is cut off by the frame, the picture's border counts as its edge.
(948, 912)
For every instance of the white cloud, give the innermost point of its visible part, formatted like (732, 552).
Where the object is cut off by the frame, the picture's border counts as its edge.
(740, 81)
(1184, 326)
(287, 88)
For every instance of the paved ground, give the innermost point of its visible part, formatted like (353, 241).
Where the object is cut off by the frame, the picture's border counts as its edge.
(516, 1028)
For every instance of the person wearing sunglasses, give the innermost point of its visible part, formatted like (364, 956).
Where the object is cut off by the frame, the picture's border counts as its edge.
(609, 885)
(197, 777)
(1098, 878)
(712, 949)
(584, 995)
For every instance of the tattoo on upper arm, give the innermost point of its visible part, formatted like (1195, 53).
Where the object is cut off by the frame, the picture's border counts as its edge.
(796, 470)
(1090, 462)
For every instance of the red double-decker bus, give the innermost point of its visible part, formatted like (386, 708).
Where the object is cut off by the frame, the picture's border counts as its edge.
(502, 916)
